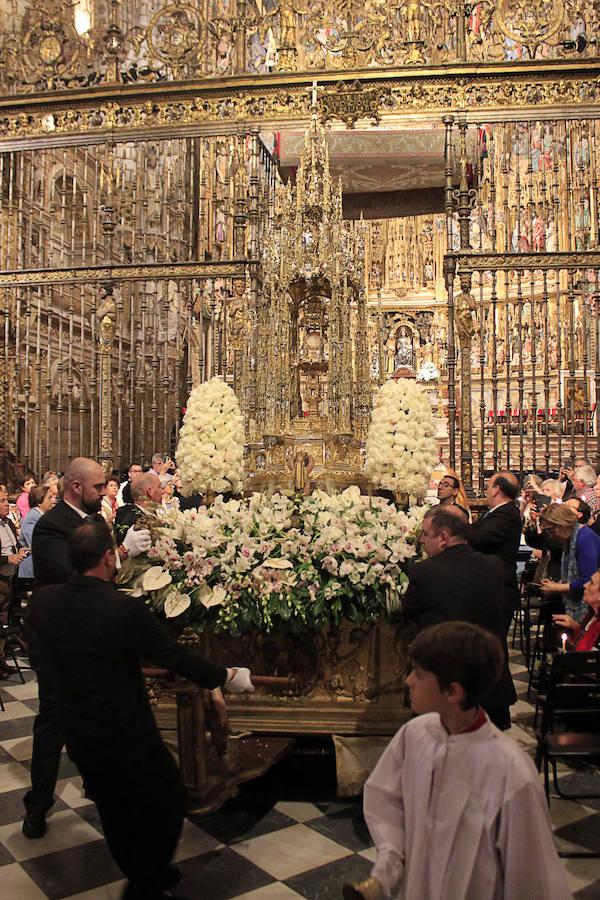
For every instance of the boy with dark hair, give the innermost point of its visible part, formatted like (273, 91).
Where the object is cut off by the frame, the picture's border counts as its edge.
(455, 808)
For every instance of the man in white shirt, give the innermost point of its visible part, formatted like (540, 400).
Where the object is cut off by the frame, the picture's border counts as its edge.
(454, 806)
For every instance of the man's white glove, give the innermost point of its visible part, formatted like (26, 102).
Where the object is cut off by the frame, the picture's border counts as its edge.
(136, 542)
(238, 681)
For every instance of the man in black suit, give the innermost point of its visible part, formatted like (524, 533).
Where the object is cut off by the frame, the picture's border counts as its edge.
(498, 533)
(95, 637)
(146, 493)
(455, 583)
(83, 491)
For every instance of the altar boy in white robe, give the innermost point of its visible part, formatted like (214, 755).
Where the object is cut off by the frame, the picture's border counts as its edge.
(455, 808)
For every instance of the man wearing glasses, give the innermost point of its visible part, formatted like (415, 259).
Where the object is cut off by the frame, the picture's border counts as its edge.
(447, 492)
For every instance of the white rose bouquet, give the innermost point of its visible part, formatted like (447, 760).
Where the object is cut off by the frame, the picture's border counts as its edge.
(401, 450)
(211, 441)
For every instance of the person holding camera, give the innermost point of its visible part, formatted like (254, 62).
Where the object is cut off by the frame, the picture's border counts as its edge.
(161, 464)
(580, 556)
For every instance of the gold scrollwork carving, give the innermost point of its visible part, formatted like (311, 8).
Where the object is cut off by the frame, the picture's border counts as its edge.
(530, 22)
(84, 275)
(482, 262)
(175, 37)
(293, 102)
(183, 39)
(49, 47)
(350, 102)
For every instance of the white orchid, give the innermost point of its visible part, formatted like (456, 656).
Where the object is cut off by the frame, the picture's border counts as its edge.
(235, 563)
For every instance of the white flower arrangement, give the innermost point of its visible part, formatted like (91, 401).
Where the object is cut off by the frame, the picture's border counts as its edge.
(211, 441)
(401, 450)
(428, 372)
(257, 563)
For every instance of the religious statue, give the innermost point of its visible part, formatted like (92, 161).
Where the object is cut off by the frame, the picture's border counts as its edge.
(287, 12)
(413, 13)
(107, 306)
(465, 326)
(301, 466)
(235, 310)
(405, 354)
(551, 236)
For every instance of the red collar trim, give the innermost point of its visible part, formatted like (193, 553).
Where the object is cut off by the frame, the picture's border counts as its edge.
(476, 724)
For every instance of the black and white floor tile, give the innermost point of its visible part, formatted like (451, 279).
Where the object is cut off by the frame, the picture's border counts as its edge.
(286, 836)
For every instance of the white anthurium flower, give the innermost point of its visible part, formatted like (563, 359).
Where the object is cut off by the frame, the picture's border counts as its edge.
(273, 563)
(212, 596)
(176, 603)
(155, 578)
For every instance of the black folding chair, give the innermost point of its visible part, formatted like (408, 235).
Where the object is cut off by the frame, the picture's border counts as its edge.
(10, 634)
(572, 699)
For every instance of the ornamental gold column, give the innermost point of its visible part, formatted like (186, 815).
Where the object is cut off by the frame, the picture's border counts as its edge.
(107, 316)
(465, 329)
(464, 308)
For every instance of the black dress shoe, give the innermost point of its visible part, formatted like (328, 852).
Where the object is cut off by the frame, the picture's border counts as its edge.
(34, 825)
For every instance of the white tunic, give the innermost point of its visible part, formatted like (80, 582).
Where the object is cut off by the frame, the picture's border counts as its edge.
(460, 817)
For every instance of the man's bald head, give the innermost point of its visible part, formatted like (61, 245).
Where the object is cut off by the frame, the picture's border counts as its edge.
(84, 483)
(146, 489)
(502, 487)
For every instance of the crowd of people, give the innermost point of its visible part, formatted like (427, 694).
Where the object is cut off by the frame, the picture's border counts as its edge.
(85, 641)
(62, 541)
(554, 521)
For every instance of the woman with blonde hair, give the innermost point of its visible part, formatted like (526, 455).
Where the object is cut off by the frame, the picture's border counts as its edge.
(580, 556)
(554, 489)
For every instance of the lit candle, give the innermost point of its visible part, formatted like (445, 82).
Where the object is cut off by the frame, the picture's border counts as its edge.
(563, 640)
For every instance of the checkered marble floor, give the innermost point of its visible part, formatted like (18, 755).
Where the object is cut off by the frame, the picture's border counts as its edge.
(285, 836)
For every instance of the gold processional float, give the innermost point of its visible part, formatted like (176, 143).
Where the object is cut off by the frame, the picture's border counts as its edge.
(307, 355)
